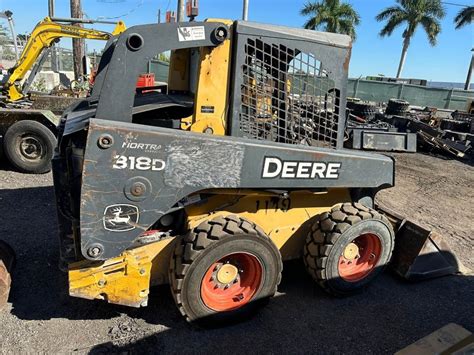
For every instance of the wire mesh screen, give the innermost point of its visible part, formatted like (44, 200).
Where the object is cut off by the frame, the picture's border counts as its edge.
(287, 96)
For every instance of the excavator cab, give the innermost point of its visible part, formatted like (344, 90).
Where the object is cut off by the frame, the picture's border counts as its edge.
(211, 182)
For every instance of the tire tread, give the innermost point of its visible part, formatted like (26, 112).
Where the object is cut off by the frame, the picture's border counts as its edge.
(196, 241)
(324, 233)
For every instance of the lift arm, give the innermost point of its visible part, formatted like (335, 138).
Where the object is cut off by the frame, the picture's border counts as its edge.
(43, 36)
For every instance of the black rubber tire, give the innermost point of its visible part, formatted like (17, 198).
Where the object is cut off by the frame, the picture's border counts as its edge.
(41, 134)
(396, 107)
(364, 110)
(330, 234)
(207, 243)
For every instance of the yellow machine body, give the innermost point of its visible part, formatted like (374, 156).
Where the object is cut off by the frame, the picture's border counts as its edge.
(286, 220)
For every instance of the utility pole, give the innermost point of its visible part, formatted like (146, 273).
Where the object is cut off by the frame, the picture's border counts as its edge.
(8, 15)
(245, 12)
(77, 44)
(181, 11)
(159, 15)
(51, 8)
(469, 72)
(54, 56)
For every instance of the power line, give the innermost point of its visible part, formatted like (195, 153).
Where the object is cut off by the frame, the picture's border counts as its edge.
(454, 4)
(168, 6)
(132, 10)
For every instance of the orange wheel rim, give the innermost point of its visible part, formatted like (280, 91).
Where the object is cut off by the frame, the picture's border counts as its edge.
(360, 257)
(231, 282)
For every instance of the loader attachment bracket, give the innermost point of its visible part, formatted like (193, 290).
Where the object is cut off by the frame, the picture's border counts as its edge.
(420, 253)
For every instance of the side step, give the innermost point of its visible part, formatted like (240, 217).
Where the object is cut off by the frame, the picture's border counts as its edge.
(420, 253)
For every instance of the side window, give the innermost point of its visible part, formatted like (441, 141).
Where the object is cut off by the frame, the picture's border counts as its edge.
(287, 96)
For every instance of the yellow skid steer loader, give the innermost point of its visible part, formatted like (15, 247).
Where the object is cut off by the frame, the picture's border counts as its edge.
(211, 184)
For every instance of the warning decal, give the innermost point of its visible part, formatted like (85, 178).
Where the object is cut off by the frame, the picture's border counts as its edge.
(195, 33)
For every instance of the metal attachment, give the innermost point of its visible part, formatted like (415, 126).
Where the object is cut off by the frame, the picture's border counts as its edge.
(351, 251)
(135, 42)
(209, 130)
(220, 34)
(142, 271)
(101, 283)
(138, 189)
(95, 251)
(166, 220)
(227, 274)
(105, 141)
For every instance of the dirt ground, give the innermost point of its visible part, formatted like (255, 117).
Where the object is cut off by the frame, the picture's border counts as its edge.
(387, 317)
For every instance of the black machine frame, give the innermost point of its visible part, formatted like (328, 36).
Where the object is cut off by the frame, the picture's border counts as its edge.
(96, 172)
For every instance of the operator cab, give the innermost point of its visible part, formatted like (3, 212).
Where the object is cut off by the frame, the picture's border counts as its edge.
(251, 80)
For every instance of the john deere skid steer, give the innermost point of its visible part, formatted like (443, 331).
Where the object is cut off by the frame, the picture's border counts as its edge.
(210, 183)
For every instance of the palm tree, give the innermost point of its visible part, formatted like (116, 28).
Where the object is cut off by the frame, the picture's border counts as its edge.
(413, 13)
(331, 16)
(464, 17)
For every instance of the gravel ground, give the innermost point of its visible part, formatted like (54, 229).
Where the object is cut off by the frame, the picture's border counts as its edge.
(390, 315)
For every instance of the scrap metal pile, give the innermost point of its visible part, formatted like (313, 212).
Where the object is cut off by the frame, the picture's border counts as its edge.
(397, 126)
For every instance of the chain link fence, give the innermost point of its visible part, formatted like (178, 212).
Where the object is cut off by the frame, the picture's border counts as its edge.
(377, 91)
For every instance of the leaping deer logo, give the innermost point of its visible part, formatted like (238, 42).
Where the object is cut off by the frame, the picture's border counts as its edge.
(120, 217)
(117, 219)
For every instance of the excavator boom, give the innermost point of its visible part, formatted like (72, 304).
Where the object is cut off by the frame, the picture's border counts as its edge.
(43, 36)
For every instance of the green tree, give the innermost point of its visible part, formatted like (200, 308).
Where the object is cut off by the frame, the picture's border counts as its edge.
(331, 16)
(464, 17)
(163, 57)
(413, 13)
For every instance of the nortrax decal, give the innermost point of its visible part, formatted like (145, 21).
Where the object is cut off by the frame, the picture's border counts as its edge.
(142, 146)
(276, 168)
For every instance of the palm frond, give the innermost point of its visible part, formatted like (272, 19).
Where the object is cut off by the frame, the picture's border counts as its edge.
(310, 8)
(432, 28)
(347, 27)
(389, 12)
(347, 12)
(464, 17)
(435, 8)
(334, 15)
(392, 24)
